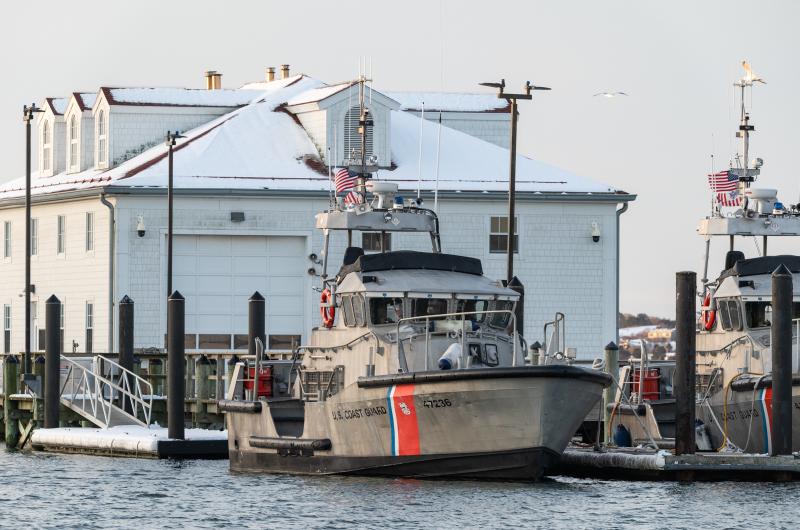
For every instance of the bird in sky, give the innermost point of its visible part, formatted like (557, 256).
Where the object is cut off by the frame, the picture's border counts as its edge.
(749, 76)
(610, 94)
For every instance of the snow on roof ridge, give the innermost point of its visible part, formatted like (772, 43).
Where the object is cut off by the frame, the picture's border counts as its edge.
(320, 93)
(58, 105)
(448, 101)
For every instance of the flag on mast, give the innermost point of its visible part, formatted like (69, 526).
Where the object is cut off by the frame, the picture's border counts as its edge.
(343, 180)
(723, 181)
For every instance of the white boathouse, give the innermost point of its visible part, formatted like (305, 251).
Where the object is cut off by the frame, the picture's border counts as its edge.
(250, 174)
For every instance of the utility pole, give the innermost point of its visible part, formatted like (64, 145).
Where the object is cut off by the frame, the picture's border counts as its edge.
(512, 169)
(28, 114)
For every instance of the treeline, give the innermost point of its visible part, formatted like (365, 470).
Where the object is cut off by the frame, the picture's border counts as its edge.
(628, 320)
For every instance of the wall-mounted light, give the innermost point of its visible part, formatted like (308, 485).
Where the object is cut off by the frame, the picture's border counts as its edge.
(595, 232)
(140, 230)
(314, 259)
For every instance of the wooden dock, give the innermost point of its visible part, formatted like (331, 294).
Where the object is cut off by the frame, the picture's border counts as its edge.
(649, 464)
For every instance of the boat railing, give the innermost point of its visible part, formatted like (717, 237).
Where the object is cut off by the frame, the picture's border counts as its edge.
(710, 383)
(460, 333)
(557, 342)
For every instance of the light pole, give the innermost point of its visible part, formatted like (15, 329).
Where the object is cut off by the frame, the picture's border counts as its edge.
(170, 141)
(28, 114)
(512, 170)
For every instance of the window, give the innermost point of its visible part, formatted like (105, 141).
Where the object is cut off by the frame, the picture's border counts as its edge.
(6, 329)
(358, 310)
(7, 239)
(73, 143)
(500, 320)
(421, 307)
(284, 342)
(89, 231)
(371, 241)
(729, 315)
(60, 234)
(352, 136)
(215, 341)
(46, 146)
(89, 326)
(759, 314)
(385, 310)
(101, 138)
(473, 306)
(498, 234)
(347, 310)
(34, 237)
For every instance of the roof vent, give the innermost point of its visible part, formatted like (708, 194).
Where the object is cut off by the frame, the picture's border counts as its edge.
(270, 74)
(213, 80)
(284, 71)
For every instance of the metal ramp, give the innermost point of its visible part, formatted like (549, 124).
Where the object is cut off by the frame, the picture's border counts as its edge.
(106, 394)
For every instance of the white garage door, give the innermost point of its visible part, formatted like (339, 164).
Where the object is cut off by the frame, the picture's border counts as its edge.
(217, 275)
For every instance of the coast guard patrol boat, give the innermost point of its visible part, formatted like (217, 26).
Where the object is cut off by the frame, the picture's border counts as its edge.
(416, 370)
(734, 360)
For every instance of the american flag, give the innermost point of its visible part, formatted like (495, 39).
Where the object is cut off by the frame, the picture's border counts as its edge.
(354, 198)
(723, 181)
(343, 180)
(729, 198)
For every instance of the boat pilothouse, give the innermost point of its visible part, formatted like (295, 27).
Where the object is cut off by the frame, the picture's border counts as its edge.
(416, 368)
(734, 360)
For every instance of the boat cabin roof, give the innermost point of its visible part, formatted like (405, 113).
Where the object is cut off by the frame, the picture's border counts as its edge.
(363, 217)
(412, 260)
(418, 283)
(753, 277)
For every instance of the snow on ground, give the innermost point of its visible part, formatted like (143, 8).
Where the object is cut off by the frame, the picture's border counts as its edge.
(130, 438)
(625, 333)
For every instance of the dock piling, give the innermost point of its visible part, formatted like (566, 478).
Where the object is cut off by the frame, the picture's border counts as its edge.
(52, 367)
(126, 344)
(176, 383)
(257, 318)
(10, 387)
(781, 340)
(611, 358)
(685, 359)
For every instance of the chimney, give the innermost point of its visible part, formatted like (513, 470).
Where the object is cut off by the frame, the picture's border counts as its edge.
(213, 80)
(270, 74)
(284, 71)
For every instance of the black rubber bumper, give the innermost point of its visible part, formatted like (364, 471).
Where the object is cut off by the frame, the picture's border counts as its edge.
(469, 374)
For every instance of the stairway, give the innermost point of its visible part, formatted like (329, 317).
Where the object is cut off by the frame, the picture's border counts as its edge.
(106, 394)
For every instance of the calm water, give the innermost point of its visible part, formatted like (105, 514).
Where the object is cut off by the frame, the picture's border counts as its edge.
(55, 491)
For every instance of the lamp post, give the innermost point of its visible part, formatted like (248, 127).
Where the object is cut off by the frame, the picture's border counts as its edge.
(28, 114)
(512, 170)
(170, 141)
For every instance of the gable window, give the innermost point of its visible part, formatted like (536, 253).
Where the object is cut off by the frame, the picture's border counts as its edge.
(89, 231)
(89, 326)
(73, 143)
(498, 234)
(46, 146)
(6, 329)
(7, 239)
(101, 138)
(371, 241)
(352, 136)
(61, 228)
(34, 237)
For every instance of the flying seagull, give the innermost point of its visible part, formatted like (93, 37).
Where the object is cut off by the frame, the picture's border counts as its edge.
(610, 94)
(749, 76)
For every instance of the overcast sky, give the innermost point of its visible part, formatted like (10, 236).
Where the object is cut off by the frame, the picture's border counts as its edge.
(676, 59)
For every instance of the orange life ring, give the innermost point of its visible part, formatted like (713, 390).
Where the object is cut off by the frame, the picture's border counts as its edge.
(707, 315)
(327, 312)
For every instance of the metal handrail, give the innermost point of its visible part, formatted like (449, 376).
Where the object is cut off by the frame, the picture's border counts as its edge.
(94, 392)
(463, 314)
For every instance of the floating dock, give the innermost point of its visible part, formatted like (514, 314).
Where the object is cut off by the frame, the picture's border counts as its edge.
(649, 464)
(132, 441)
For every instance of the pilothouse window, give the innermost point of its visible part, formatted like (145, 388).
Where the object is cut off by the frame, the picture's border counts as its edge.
(385, 310)
(473, 306)
(729, 315)
(500, 320)
(759, 314)
(421, 307)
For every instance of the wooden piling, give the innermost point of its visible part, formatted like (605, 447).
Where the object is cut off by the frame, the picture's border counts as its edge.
(10, 387)
(52, 398)
(685, 359)
(781, 343)
(257, 322)
(126, 345)
(202, 369)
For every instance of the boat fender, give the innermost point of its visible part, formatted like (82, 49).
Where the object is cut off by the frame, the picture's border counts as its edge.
(451, 358)
(622, 436)
(708, 315)
(326, 309)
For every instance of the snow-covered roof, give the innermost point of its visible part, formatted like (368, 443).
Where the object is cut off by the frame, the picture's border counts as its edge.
(178, 97)
(57, 105)
(448, 101)
(262, 146)
(85, 100)
(318, 94)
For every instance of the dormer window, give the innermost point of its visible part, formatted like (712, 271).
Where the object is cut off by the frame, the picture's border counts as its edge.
(352, 136)
(73, 143)
(46, 146)
(101, 139)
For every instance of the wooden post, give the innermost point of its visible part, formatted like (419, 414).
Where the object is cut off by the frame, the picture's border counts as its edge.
(781, 331)
(126, 345)
(10, 387)
(257, 318)
(611, 357)
(202, 369)
(685, 358)
(176, 363)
